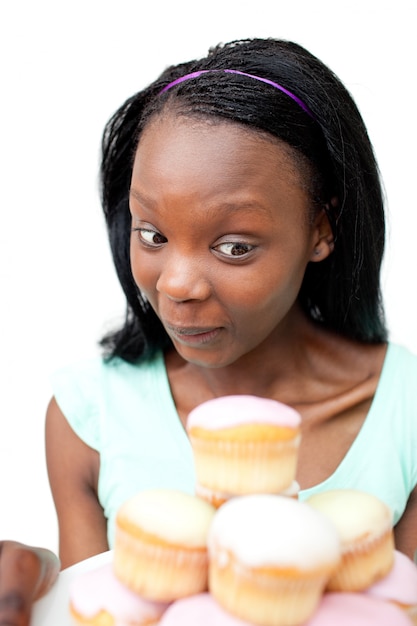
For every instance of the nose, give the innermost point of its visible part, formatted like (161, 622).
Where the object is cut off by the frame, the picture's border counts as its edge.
(182, 279)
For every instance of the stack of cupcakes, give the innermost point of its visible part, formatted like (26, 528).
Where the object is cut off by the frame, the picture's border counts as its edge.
(242, 553)
(259, 560)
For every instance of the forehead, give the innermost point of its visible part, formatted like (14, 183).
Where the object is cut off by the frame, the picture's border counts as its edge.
(191, 167)
(220, 146)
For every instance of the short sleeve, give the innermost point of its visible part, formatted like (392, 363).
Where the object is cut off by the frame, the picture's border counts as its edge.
(76, 389)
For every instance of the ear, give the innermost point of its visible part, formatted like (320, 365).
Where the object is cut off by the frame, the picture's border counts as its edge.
(322, 238)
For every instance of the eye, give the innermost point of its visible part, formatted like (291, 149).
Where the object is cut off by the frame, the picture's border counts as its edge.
(150, 237)
(234, 248)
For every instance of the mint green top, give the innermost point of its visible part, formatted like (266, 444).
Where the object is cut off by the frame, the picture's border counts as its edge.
(126, 412)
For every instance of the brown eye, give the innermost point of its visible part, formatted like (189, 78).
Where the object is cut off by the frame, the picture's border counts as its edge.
(234, 248)
(151, 237)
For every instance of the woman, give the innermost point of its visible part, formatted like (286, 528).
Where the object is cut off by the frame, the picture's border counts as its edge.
(246, 221)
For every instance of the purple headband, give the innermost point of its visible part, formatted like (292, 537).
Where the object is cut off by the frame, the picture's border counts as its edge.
(263, 80)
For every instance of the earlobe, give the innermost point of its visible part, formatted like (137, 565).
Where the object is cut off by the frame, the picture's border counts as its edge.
(323, 238)
(322, 250)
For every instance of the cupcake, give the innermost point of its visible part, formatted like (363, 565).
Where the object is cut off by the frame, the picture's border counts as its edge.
(399, 586)
(217, 498)
(198, 610)
(270, 558)
(97, 598)
(160, 549)
(365, 526)
(244, 444)
(355, 609)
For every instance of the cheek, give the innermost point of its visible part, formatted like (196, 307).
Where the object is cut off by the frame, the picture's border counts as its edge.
(272, 281)
(144, 272)
(261, 301)
(257, 301)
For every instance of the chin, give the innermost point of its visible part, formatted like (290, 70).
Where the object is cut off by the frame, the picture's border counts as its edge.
(205, 358)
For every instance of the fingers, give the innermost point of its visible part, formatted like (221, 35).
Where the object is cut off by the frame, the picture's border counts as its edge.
(25, 574)
(50, 566)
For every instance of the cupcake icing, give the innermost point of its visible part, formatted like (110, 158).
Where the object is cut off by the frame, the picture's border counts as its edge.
(230, 411)
(292, 491)
(99, 590)
(355, 609)
(272, 530)
(400, 585)
(356, 514)
(199, 610)
(172, 515)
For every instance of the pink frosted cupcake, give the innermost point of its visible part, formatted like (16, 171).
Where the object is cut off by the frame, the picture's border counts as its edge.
(199, 610)
(356, 609)
(399, 586)
(244, 444)
(97, 598)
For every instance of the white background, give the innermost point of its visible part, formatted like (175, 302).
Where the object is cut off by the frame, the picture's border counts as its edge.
(64, 68)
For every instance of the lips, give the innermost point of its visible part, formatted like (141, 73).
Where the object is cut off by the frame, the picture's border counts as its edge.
(189, 330)
(193, 334)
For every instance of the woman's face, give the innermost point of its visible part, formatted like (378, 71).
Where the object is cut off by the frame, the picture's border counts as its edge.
(221, 235)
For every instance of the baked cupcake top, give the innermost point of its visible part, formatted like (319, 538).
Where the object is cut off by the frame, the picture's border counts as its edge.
(199, 610)
(356, 514)
(273, 531)
(229, 411)
(355, 609)
(99, 590)
(400, 585)
(170, 515)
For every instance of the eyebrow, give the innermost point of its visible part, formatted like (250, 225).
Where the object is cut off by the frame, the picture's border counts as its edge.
(139, 196)
(244, 205)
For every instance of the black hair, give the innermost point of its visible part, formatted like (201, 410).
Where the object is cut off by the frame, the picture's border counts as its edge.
(341, 292)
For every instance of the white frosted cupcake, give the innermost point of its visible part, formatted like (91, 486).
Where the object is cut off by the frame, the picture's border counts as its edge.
(160, 546)
(365, 526)
(270, 558)
(244, 444)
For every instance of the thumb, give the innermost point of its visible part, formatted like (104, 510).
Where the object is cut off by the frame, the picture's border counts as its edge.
(25, 574)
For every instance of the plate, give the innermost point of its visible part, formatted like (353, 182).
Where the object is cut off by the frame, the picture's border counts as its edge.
(52, 609)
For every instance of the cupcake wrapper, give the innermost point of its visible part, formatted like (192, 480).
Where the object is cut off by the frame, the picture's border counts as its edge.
(215, 498)
(242, 467)
(266, 600)
(364, 564)
(159, 572)
(411, 612)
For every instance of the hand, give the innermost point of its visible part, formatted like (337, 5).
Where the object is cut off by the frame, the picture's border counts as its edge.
(26, 573)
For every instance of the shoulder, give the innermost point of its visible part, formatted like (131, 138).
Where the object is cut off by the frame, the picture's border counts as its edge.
(89, 375)
(401, 362)
(398, 379)
(397, 397)
(88, 389)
